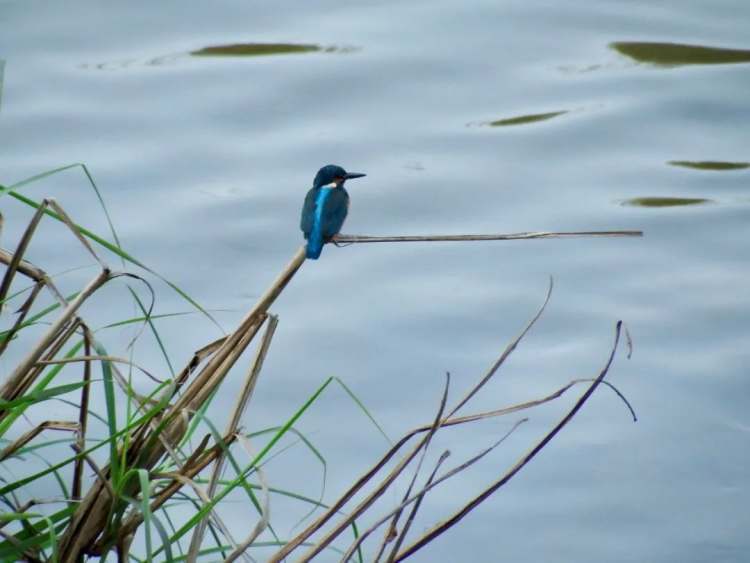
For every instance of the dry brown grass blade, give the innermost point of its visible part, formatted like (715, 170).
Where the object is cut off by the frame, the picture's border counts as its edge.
(28, 378)
(97, 358)
(190, 471)
(111, 496)
(23, 244)
(468, 419)
(217, 521)
(265, 513)
(354, 513)
(76, 232)
(251, 320)
(526, 405)
(428, 487)
(476, 501)
(88, 521)
(123, 549)
(352, 239)
(392, 532)
(11, 386)
(504, 356)
(352, 516)
(26, 268)
(147, 447)
(23, 310)
(456, 421)
(336, 507)
(415, 508)
(83, 417)
(34, 432)
(393, 527)
(239, 408)
(198, 357)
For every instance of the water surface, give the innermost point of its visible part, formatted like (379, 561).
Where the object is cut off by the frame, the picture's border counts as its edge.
(204, 125)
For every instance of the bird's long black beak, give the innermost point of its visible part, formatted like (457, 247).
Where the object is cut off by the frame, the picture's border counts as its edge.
(352, 175)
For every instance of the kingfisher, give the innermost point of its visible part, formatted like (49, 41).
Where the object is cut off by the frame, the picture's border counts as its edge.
(325, 208)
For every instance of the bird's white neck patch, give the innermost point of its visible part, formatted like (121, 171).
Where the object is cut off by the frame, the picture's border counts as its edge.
(329, 186)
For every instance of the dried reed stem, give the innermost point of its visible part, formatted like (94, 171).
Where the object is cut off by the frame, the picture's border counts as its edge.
(83, 417)
(26, 268)
(476, 501)
(392, 530)
(146, 449)
(242, 401)
(362, 481)
(189, 470)
(352, 239)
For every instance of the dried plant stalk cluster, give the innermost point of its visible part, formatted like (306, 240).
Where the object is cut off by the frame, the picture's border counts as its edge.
(150, 460)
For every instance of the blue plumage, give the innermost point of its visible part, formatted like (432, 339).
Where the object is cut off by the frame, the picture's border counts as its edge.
(325, 208)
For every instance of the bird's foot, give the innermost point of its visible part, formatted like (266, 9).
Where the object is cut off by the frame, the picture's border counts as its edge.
(335, 241)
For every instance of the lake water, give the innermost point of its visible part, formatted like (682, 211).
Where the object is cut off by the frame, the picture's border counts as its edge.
(489, 117)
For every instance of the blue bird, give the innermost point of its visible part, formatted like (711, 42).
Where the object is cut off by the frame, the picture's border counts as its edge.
(325, 208)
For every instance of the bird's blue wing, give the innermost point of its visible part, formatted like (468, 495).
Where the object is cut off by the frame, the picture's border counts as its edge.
(334, 212)
(308, 212)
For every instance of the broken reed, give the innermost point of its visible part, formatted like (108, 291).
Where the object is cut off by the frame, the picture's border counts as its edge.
(151, 458)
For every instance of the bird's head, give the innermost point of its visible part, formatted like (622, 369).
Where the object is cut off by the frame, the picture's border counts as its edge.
(332, 175)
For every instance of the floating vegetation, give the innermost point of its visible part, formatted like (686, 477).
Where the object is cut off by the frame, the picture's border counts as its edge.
(524, 119)
(264, 49)
(665, 201)
(714, 165)
(676, 54)
(231, 50)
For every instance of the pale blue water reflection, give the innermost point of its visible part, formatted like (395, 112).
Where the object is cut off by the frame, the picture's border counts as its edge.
(204, 162)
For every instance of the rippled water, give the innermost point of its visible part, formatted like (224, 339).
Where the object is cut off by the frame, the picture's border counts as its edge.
(204, 125)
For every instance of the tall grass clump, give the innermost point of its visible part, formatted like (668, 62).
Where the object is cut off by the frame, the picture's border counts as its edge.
(142, 474)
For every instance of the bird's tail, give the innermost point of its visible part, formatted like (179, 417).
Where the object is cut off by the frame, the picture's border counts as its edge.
(314, 246)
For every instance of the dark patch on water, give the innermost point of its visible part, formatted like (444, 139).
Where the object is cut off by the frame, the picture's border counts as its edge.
(524, 119)
(263, 49)
(713, 165)
(676, 54)
(665, 201)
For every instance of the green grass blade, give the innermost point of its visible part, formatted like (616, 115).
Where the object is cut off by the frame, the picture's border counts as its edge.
(39, 396)
(190, 524)
(38, 316)
(149, 319)
(145, 509)
(363, 408)
(135, 320)
(43, 382)
(115, 249)
(6, 489)
(15, 553)
(109, 399)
